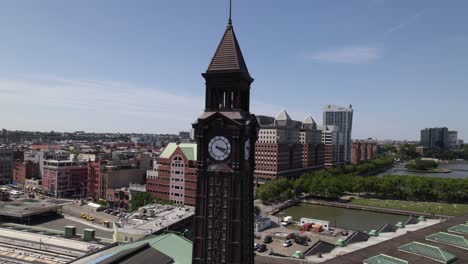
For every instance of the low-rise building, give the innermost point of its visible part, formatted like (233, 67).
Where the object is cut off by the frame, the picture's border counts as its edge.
(420, 150)
(24, 170)
(153, 220)
(65, 178)
(362, 150)
(32, 184)
(112, 174)
(118, 198)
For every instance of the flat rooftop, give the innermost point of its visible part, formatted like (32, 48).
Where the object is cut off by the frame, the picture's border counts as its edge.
(30, 207)
(164, 217)
(25, 247)
(391, 247)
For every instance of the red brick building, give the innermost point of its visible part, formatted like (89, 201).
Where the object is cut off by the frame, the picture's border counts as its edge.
(362, 151)
(23, 170)
(313, 150)
(355, 152)
(65, 178)
(94, 176)
(333, 139)
(174, 175)
(286, 147)
(118, 198)
(115, 170)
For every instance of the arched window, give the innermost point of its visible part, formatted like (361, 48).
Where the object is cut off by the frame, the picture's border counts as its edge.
(177, 161)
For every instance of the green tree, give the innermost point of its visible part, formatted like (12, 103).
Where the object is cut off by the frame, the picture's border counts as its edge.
(139, 199)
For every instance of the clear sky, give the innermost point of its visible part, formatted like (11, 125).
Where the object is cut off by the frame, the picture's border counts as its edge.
(134, 66)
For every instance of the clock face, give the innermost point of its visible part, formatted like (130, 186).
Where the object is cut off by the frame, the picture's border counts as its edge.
(247, 149)
(219, 148)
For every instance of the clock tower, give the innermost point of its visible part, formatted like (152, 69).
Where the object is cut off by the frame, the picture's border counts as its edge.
(226, 134)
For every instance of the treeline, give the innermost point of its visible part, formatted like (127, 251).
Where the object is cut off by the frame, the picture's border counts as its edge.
(283, 189)
(327, 184)
(422, 165)
(451, 154)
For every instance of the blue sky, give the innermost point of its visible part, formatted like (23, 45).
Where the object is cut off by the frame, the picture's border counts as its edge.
(134, 66)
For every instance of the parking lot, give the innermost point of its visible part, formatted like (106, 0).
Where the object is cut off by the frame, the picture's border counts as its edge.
(277, 244)
(76, 210)
(16, 193)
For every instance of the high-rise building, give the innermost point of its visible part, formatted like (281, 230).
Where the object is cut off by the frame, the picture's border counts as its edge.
(453, 138)
(226, 134)
(286, 147)
(333, 139)
(278, 151)
(437, 137)
(342, 120)
(6, 166)
(426, 138)
(313, 149)
(174, 175)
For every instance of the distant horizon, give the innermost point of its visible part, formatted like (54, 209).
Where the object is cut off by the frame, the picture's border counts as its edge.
(108, 66)
(174, 133)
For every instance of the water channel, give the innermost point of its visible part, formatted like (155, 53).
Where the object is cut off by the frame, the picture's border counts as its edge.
(342, 217)
(459, 169)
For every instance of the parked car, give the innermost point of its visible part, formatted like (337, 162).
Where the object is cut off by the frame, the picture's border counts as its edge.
(287, 243)
(256, 246)
(262, 248)
(301, 241)
(268, 239)
(298, 239)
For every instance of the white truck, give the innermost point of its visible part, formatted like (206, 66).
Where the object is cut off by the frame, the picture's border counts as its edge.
(287, 220)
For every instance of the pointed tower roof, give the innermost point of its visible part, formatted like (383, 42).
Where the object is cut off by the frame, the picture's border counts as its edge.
(283, 115)
(309, 120)
(228, 56)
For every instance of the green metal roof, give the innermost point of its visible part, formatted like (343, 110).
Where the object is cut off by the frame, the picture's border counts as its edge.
(428, 251)
(449, 239)
(177, 247)
(384, 259)
(462, 229)
(189, 150)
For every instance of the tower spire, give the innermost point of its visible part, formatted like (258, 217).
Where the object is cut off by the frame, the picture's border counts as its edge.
(230, 13)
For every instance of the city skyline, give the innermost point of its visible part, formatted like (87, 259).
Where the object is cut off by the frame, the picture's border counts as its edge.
(53, 77)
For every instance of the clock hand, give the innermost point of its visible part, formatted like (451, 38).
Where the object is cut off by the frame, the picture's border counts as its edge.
(222, 149)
